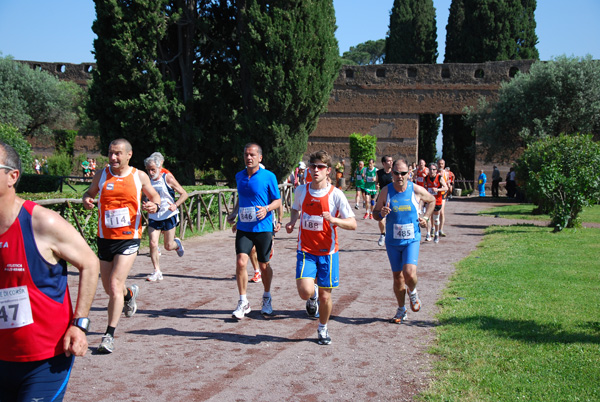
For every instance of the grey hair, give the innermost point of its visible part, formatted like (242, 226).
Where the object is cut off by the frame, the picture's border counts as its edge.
(159, 157)
(154, 159)
(12, 159)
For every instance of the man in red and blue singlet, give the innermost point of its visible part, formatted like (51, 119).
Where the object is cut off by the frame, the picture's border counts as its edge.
(324, 208)
(39, 332)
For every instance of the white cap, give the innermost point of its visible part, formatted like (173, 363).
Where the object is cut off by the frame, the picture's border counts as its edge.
(302, 165)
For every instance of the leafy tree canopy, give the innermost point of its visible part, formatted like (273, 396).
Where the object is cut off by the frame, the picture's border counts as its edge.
(35, 101)
(560, 174)
(10, 135)
(559, 96)
(369, 52)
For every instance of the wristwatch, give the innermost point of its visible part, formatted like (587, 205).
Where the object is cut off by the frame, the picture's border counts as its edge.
(83, 323)
(157, 206)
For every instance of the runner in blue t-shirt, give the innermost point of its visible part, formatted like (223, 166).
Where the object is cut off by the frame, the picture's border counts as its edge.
(258, 196)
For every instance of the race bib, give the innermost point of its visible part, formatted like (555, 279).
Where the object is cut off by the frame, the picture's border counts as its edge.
(117, 218)
(431, 191)
(15, 308)
(359, 177)
(404, 232)
(370, 179)
(312, 222)
(247, 214)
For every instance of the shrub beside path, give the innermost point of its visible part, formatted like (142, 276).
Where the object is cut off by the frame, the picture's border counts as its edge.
(183, 345)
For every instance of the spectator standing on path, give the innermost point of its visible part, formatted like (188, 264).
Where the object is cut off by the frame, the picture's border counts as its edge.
(481, 183)
(370, 189)
(258, 197)
(119, 188)
(384, 177)
(495, 181)
(39, 332)
(324, 208)
(339, 174)
(37, 167)
(166, 219)
(398, 205)
(436, 185)
(511, 184)
(359, 181)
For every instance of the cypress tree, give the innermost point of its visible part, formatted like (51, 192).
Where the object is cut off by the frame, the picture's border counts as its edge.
(412, 39)
(479, 31)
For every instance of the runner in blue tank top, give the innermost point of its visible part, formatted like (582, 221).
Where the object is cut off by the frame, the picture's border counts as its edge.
(398, 203)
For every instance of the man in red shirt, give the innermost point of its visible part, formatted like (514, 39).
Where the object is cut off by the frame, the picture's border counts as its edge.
(435, 185)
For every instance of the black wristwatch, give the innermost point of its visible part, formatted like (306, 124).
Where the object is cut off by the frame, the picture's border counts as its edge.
(83, 323)
(157, 206)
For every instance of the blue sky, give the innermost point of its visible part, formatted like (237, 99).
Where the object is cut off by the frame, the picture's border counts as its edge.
(60, 30)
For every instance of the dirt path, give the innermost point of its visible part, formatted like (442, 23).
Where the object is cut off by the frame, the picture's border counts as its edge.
(183, 345)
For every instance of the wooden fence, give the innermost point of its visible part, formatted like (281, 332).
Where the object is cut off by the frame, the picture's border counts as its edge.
(201, 202)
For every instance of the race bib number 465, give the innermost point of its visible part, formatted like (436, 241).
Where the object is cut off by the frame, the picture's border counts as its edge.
(15, 308)
(404, 232)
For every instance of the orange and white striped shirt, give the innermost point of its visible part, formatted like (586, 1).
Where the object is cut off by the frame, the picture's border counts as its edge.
(120, 205)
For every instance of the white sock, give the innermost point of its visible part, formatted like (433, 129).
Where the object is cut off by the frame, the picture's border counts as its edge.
(267, 294)
(243, 298)
(412, 292)
(316, 294)
(322, 327)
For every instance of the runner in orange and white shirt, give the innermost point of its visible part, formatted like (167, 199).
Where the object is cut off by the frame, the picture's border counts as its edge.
(436, 185)
(120, 188)
(322, 208)
(441, 165)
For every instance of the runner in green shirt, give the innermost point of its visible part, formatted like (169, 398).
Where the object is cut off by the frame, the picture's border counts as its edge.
(359, 181)
(370, 188)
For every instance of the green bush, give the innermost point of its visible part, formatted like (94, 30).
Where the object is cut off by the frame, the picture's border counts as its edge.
(362, 148)
(60, 164)
(10, 135)
(560, 174)
(36, 183)
(64, 141)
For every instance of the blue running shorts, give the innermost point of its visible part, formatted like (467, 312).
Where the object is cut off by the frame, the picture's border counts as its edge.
(325, 268)
(401, 255)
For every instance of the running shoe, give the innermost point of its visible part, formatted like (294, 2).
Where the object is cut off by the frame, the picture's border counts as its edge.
(436, 239)
(366, 216)
(131, 306)
(323, 337)
(400, 316)
(156, 276)
(442, 234)
(415, 302)
(381, 240)
(266, 309)
(312, 305)
(370, 216)
(107, 345)
(356, 206)
(180, 250)
(428, 237)
(256, 278)
(242, 309)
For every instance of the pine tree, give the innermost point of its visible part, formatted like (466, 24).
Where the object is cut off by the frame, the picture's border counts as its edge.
(413, 40)
(479, 31)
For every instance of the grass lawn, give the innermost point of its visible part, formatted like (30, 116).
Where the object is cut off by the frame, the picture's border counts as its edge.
(523, 211)
(520, 319)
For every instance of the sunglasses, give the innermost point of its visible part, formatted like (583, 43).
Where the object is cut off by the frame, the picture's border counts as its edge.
(7, 167)
(318, 166)
(400, 173)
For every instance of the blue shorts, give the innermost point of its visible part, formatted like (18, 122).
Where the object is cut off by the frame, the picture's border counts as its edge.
(44, 380)
(401, 255)
(165, 224)
(325, 268)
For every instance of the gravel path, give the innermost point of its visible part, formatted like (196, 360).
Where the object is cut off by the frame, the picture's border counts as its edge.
(183, 345)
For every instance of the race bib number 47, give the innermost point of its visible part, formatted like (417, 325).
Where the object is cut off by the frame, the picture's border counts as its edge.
(15, 308)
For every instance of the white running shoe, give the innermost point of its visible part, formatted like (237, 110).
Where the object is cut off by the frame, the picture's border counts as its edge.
(415, 302)
(107, 345)
(242, 309)
(180, 250)
(400, 316)
(266, 309)
(381, 240)
(428, 238)
(131, 306)
(436, 239)
(312, 305)
(155, 276)
(323, 337)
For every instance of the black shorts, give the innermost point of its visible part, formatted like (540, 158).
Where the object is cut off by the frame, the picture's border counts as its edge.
(165, 224)
(438, 208)
(108, 248)
(244, 241)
